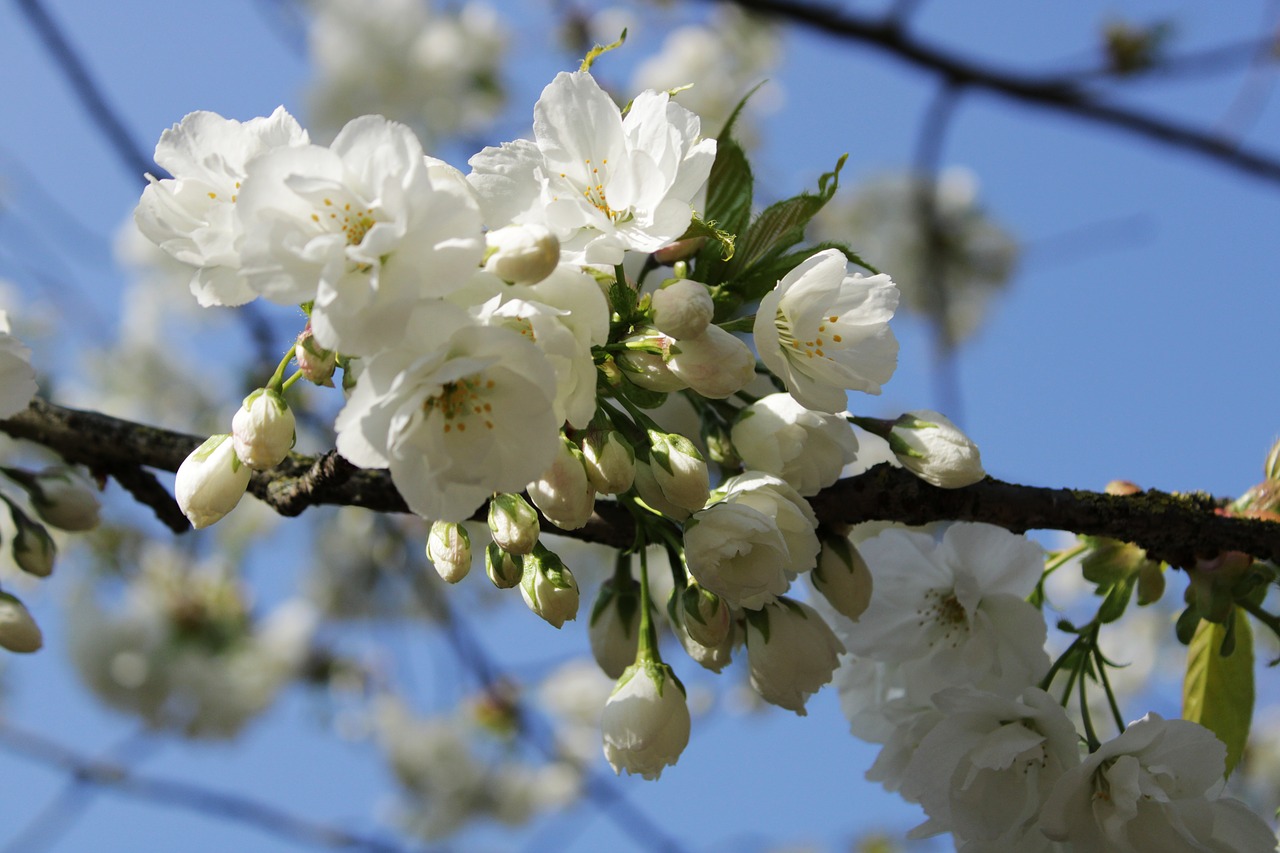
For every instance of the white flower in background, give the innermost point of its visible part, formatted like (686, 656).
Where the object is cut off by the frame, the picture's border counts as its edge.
(211, 481)
(808, 449)
(601, 182)
(935, 450)
(17, 376)
(791, 513)
(181, 650)
(521, 254)
(438, 70)
(682, 308)
(737, 552)
(572, 695)
(192, 216)
(976, 255)
(824, 332)
(984, 771)
(646, 722)
(365, 229)
(722, 59)
(1154, 788)
(715, 363)
(455, 423)
(263, 429)
(563, 493)
(954, 601)
(18, 631)
(791, 652)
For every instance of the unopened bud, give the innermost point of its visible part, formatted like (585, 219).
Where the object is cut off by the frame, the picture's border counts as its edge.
(263, 429)
(1122, 488)
(504, 570)
(680, 250)
(615, 625)
(549, 588)
(513, 523)
(679, 470)
(522, 254)
(211, 481)
(935, 450)
(644, 361)
(842, 577)
(60, 496)
(316, 363)
(563, 493)
(18, 631)
(449, 550)
(683, 309)
(715, 363)
(610, 461)
(702, 613)
(33, 548)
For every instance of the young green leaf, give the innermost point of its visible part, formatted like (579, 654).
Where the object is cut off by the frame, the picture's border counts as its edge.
(1218, 691)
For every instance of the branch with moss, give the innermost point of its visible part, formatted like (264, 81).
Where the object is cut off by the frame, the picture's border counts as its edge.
(1177, 529)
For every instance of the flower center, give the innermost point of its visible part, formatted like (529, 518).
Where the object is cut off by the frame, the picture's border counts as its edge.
(594, 192)
(946, 612)
(458, 401)
(354, 223)
(809, 349)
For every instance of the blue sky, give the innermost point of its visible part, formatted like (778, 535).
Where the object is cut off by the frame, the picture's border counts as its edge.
(1137, 343)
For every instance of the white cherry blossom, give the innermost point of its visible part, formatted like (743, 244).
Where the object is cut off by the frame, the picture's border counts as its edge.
(824, 332)
(808, 449)
(603, 183)
(468, 417)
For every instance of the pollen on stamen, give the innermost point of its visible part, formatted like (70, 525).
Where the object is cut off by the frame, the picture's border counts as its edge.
(837, 338)
(833, 319)
(328, 202)
(213, 195)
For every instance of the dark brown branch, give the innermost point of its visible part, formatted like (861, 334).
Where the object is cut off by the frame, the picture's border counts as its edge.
(1173, 528)
(1062, 94)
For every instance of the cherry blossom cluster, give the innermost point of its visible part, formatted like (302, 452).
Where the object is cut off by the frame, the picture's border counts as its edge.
(517, 345)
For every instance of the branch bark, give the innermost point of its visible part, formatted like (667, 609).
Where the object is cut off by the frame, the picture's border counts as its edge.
(1175, 528)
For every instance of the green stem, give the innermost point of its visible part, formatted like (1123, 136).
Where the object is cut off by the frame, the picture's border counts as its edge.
(1101, 663)
(648, 647)
(288, 383)
(276, 381)
(740, 324)
(1256, 611)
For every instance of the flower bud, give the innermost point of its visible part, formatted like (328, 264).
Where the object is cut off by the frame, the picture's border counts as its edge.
(563, 493)
(61, 497)
(679, 470)
(610, 461)
(683, 308)
(715, 657)
(646, 722)
(702, 613)
(808, 449)
(842, 577)
(33, 548)
(210, 481)
(504, 569)
(646, 486)
(715, 364)
(316, 363)
(791, 652)
(615, 625)
(935, 450)
(680, 250)
(263, 429)
(644, 361)
(513, 524)
(548, 587)
(522, 254)
(449, 550)
(18, 631)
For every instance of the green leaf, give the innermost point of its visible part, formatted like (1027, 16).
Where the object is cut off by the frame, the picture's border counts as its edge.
(782, 224)
(729, 189)
(737, 110)
(1218, 690)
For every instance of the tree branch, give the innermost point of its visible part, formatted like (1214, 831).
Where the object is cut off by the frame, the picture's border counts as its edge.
(1174, 528)
(1061, 93)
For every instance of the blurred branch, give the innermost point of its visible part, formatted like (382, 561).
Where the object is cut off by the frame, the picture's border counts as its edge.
(1173, 528)
(88, 91)
(1062, 94)
(172, 792)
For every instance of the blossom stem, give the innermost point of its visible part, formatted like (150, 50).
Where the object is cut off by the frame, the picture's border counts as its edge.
(288, 383)
(1256, 611)
(648, 646)
(276, 382)
(1086, 720)
(1101, 663)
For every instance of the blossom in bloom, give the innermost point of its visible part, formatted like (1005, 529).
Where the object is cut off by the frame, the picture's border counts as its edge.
(682, 308)
(192, 216)
(824, 332)
(211, 481)
(17, 377)
(646, 722)
(614, 630)
(263, 429)
(791, 513)
(1155, 787)
(521, 254)
(953, 600)
(601, 182)
(364, 229)
(563, 493)
(449, 550)
(984, 771)
(715, 363)
(467, 417)
(791, 652)
(737, 552)
(808, 449)
(935, 450)
(548, 587)
(18, 631)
